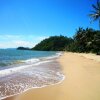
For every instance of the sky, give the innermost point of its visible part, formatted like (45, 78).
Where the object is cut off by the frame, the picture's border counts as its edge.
(27, 22)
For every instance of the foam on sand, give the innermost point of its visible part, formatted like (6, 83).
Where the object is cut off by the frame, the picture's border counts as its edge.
(32, 75)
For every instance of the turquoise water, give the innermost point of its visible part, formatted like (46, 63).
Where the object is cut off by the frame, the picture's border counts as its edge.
(13, 56)
(21, 70)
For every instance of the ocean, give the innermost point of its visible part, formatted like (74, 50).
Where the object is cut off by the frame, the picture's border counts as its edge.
(21, 70)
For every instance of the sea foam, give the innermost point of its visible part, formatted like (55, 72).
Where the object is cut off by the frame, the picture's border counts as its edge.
(35, 73)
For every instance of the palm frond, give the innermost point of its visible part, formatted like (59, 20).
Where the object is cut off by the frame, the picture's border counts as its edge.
(98, 4)
(96, 12)
(96, 8)
(93, 12)
(93, 15)
(96, 18)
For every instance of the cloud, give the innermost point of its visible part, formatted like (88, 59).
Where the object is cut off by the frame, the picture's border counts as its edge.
(23, 43)
(42, 37)
(13, 41)
(9, 36)
(15, 44)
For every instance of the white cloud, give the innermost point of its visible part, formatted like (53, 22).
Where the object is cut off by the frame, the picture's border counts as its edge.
(9, 36)
(23, 43)
(42, 37)
(13, 41)
(14, 44)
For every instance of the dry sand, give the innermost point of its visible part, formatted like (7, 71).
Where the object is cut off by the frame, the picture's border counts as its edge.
(82, 81)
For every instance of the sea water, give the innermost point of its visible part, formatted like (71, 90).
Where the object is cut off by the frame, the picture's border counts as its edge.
(21, 70)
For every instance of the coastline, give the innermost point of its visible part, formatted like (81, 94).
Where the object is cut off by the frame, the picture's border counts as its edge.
(82, 81)
(39, 75)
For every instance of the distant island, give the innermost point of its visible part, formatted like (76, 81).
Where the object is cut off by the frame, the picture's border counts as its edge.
(23, 48)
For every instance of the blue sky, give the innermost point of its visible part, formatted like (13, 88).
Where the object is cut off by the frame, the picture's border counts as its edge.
(27, 22)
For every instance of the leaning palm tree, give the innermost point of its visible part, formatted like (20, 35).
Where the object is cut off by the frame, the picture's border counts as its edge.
(96, 12)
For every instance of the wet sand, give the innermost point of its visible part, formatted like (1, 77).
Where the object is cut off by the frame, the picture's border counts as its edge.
(82, 81)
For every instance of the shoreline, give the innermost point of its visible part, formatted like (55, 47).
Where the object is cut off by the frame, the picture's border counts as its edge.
(81, 82)
(50, 67)
(13, 96)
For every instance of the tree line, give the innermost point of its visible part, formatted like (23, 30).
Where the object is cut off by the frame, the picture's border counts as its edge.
(84, 40)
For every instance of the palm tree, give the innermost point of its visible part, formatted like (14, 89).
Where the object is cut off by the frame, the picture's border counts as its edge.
(96, 12)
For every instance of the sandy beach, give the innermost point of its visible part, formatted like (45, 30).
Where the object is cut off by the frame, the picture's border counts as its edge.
(82, 80)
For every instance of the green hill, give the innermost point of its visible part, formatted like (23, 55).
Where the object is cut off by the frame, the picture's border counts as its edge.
(53, 43)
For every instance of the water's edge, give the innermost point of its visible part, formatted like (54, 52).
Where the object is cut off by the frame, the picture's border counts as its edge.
(34, 88)
(50, 61)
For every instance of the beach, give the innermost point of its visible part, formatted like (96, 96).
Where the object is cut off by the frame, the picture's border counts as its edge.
(82, 80)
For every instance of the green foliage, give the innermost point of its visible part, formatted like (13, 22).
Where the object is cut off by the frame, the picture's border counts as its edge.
(53, 43)
(95, 15)
(85, 40)
(96, 43)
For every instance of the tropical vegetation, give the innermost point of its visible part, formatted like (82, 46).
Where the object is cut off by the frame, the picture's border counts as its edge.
(53, 43)
(84, 40)
(96, 12)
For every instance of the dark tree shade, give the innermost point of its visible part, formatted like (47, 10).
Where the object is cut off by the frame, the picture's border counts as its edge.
(85, 40)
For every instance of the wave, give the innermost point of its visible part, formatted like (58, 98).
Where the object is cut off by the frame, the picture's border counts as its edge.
(34, 60)
(34, 73)
(8, 71)
(53, 56)
(63, 78)
(42, 75)
(28, 63)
